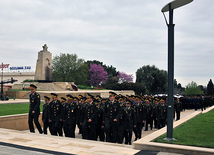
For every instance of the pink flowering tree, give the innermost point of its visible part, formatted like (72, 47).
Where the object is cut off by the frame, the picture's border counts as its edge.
(123, 77)
(98, 75)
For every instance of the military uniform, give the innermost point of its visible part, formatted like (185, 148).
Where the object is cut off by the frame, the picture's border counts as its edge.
(45, 113)
(55, 116)
(90, 120)
(34, 110)
(70, 119)
(130, 122)
(112, 110)
(140, 118)
(148, 116)
(162, 116)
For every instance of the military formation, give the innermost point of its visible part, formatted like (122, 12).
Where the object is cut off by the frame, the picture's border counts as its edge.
(112, 119)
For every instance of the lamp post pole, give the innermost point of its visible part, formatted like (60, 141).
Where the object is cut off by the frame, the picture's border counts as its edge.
(170, 109)
(170, 74)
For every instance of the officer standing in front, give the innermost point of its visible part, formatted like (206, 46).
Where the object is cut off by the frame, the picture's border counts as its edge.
(34, 110)
(112, 113)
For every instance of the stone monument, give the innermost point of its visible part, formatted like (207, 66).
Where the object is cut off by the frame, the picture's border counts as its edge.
(44, 65)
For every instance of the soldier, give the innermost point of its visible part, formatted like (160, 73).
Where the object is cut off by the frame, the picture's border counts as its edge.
(55, 115)
(90, 119)
(121, 121)
(155, 112)
(77, 101)
(130, 122)
(148, 114)
(112, 112)
(70, 117)
(45, 113)
(140, 117)
(34, 110)
(63, 102)
(100, 124)
(162, 114)
(178, 108)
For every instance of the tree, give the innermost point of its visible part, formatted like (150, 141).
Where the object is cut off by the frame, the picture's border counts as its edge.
(210, 88)
(123, 77)
(97, 75)
(154, 80)
(193, 89)
(68, 68)
(112, 72)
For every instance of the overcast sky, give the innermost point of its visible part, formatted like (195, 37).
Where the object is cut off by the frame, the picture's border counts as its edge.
(126, 34)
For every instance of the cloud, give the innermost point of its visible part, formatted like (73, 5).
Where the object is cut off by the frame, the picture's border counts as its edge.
(125, 34)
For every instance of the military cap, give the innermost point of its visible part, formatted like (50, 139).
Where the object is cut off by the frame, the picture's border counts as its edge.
(112, 93)
(128, 101)
(63, 99)
(54, 95)
(83, 99)
(80, 96)
(32, 86)
(76, 98)
(96, 101)
(69, 96)
(98, 97)
(90, 96)
(47, 98)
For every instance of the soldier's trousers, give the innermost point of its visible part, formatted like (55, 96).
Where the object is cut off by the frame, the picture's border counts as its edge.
(128, 136)
(149, 121)
(89, 131)
(56, 128)
(162, 123)
(69, 130)
(111, 133)
(100, 133)
(34, 118)
(45, 126)
(138, 130)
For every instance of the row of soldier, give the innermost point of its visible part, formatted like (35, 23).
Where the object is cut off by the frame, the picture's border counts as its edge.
(112, 120)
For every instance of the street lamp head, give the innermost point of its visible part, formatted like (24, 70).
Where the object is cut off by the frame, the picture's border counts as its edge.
(175, 4)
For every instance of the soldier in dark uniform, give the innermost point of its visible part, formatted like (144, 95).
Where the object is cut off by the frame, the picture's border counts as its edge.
(155, 112)
(130, 122)
(148, 114)
(63, 102)
(121, 121)
(70, 117)
(162, 114)
(55, 115)
(100, 124)
(45, 113)
(34, 110)
(140, 117)
(77, 101)
(90, 119)
(112, 112)
(178, 108)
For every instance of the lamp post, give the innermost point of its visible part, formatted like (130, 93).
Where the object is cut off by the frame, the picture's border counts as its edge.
(170, 7)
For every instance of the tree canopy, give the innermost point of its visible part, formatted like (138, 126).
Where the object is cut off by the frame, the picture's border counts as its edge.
(68, 68)
(193, 89)
(154, 80)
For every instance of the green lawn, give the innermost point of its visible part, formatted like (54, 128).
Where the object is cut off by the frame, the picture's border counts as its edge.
(11, 109)
(198, 131)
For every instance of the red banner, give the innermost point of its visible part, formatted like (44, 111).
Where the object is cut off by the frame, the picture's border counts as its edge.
(4, 65)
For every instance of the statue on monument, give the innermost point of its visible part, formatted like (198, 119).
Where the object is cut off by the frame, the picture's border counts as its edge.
(44, 65)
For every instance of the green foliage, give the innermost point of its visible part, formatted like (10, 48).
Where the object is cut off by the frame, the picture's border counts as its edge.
(29, 80)
(193, 89)
(12, 109)
(68, 68)
(154, 80)
(138, 88)
(210, 88)
(196, 132)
